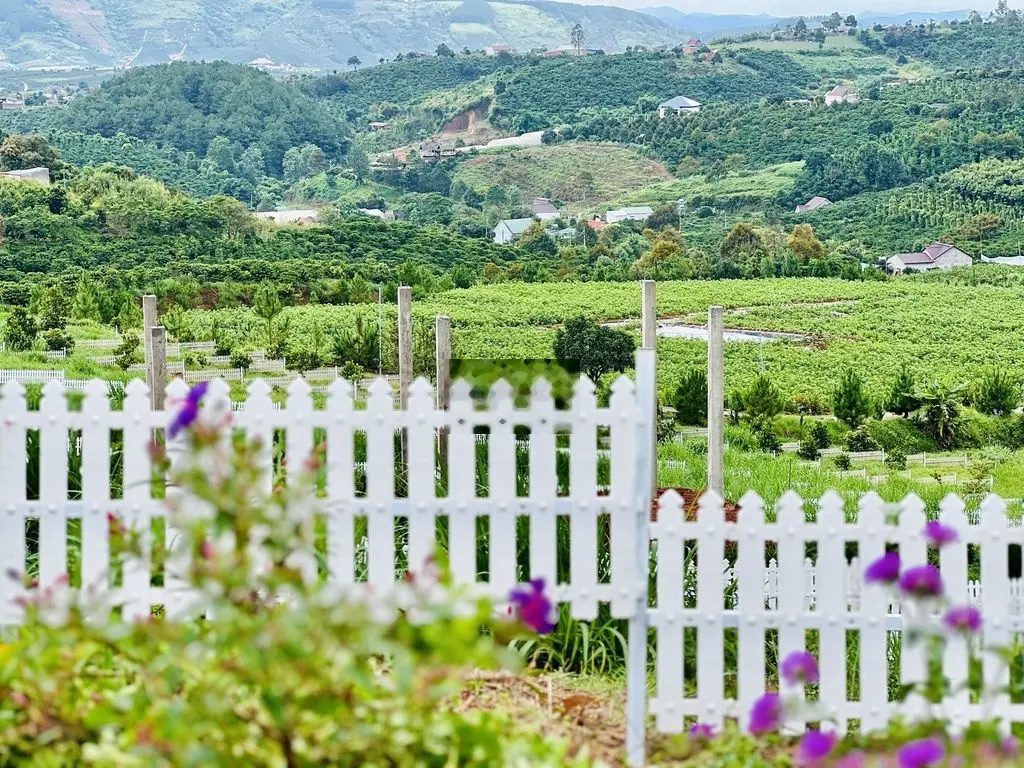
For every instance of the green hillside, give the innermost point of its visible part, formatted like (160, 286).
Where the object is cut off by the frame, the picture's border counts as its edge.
(322, 34)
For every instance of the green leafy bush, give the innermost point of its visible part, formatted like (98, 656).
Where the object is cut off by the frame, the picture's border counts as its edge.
(896, 459)
(808, 449)
(842, 462)
(768, 440)
(902, 434)
(820, 435)
(860, 439)
(998, 393)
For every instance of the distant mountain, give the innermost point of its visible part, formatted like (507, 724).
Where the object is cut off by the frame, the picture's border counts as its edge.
(711, 25)
(320, 34)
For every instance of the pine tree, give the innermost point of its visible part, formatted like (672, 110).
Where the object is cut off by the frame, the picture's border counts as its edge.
(850, 402)
(86, 304)
(902, 398)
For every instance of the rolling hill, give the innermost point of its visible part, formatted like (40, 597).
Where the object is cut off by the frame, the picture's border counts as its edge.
(320, 34)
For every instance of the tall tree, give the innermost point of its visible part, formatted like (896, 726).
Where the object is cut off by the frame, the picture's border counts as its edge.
(354, 62)
(577, 37)
(596, 349)
(267, 306)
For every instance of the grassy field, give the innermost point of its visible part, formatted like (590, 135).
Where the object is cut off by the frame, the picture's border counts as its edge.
(580, 176)
(748, 186)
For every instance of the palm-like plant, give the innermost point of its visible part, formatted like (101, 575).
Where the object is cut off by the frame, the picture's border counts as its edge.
(940, 410)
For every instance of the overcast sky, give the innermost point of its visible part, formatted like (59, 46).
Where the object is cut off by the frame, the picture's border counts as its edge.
(792, 7)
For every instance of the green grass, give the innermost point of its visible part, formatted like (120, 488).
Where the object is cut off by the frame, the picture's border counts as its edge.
(747, 186)
(561, 173)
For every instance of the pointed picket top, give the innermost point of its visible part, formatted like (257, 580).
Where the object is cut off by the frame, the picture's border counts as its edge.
(751, 507)
(380, 387)
(53, 396)
(339, 389)
(584, 387)
(177, 389)
(789, 510)
(136, 388)
(670, 510)
(96, 393)
(830, 510)
(460, 391)
(14, 390)
(218, 390)
(298, 391)
(993, 512)
(499, 397)
(912, 517)
(623, 386)
(870, 510)
(421, 388)
(258, 388)
(711, 507)
(541, 388)
(951, 506)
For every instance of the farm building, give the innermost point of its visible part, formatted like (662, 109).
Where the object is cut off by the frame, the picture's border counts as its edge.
(841, 94)
(680, 105)
(636, 213)
(509, 229)
(35, 175)
(543, 209)
(813, 204)
(935, 256)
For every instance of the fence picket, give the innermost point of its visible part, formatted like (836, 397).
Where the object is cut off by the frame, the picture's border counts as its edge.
(831, 607)
(501, 484)
(53, 485)
(95, 530)
(178, 546)
(422, 528)
(913, 658)
(380, 485)
(462, 486)
(137, 568)
(953, 564)
(790, 541)
(543, 484)
(668, 671)
(710, 638)
(583, 491)
(750, 596)
(298, 452)
(621, 499)
(874, 660)
(340, 484)
(995, 601)
(13, 482)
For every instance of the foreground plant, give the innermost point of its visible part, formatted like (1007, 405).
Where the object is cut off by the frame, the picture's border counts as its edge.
(263, 664)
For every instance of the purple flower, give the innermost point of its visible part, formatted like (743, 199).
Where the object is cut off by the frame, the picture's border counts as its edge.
(921, 753)
(534, 608)
(922, 581)
(964, 618)
(1010, 746)
(702, 731)
(815, 746)
(939, 535)
(855, 759)
(800, 667)
(766, 714)
(885, 570)
(189, 412)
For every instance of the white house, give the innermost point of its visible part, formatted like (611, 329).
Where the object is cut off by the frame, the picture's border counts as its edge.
(543, 209)
(378, 214)
(290, 217)
(813, 204)
(680, 105)
(636, 213)
(498, 48)
(935, 256)
(841, 94)
(509, 229)
(35, 175)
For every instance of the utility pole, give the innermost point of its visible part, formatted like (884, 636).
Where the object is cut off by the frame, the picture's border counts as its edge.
(443, 359)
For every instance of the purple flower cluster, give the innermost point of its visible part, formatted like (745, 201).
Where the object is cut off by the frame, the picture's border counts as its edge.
(964, 618)
(815, 747)
(922, 581)
(533, 607)
(189, 412)
(938, 535)
(800, 667)
(885, 570)
(702, 732)
(922, 753)
(766, 714)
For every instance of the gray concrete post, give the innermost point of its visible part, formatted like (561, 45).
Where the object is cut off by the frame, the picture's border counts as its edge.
(443, 357)
(158, 350)
(649, 341)
(716, 401)
(149, 320)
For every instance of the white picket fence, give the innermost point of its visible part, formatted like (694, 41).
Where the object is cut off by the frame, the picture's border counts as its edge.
(709, 610)
(698, 600)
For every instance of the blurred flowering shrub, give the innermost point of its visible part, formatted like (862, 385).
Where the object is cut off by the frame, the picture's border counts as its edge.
(263, 663)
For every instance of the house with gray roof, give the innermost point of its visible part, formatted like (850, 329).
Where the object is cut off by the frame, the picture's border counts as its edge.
(935, 256)
(813, 204)
(634, 213)
(680, 105)
(509, 229)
